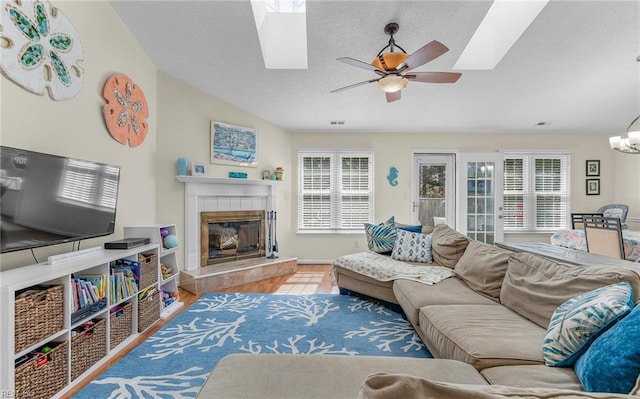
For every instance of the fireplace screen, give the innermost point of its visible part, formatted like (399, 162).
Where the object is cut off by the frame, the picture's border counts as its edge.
(233, 235)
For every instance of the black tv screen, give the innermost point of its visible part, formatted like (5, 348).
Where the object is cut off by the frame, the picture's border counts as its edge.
(48, 199)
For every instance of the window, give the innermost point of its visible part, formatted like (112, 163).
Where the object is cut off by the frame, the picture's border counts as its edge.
(335, 190)
(536, 191)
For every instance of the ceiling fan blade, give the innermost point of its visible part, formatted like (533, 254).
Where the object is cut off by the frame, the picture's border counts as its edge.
(355, 85)
(395, 96)
(433, 77)
(359, 64)
(424, 54)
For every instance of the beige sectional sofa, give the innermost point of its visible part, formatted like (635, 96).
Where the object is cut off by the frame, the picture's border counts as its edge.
(485, 326)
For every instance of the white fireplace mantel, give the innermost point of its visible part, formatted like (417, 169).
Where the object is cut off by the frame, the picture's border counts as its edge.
(206, 194)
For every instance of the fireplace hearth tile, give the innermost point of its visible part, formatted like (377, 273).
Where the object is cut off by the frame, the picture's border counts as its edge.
(230, 274)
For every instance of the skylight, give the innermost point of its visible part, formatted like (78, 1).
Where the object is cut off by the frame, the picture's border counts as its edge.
(282, 30)
(503, 25)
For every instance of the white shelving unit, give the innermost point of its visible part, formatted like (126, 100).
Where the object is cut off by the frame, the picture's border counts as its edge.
(168, 283)
(15, 281)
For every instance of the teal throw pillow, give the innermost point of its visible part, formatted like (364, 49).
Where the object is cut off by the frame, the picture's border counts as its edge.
(612, 362)
(382, 236)
(412, 247)
(579, 320)
(413, 229)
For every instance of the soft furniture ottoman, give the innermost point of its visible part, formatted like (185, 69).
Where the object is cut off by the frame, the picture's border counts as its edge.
(319, 376)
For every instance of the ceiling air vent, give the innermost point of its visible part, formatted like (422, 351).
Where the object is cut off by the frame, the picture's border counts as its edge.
(333, 123)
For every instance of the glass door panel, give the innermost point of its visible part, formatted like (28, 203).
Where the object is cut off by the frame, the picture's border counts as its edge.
(482, 191)
(434, 191)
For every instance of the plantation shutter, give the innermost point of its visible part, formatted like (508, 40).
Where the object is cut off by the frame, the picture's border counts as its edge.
(335, 190)
(514, 193)
(536, 191)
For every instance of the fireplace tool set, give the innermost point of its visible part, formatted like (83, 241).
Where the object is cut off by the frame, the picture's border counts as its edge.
(272, 242)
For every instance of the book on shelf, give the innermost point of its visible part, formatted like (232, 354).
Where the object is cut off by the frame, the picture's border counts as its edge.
(147, 292)
(98, 280)
(85, 292)
(133, 265)
(123, 281)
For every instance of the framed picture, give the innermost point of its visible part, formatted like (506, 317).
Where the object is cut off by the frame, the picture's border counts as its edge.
(233, 145)
(198, 169)
(593, 168)
(593, 186)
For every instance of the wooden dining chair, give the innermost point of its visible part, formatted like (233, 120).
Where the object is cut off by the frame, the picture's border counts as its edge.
(576, 219)
(604, 236)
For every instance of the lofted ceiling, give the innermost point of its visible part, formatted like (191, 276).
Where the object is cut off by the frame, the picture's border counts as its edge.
(574, 68)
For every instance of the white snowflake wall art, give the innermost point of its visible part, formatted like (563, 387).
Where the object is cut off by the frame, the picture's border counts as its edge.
(40, 49)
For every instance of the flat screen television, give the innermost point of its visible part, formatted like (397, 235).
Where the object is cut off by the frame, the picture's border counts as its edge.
(48, 199)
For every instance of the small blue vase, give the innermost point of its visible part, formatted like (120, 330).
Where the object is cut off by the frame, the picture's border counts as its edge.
(183, 164)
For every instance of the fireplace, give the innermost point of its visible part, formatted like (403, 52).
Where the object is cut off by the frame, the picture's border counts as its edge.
(231, 235)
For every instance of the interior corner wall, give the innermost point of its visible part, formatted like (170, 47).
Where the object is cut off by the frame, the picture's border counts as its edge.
(76, 127)
(627, 186)
(395, 149)
(184, 119)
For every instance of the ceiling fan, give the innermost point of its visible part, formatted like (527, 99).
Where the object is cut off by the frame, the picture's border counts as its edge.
(394, 68)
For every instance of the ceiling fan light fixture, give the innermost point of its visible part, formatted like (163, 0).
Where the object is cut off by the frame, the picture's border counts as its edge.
(389, 61)
(392, 83)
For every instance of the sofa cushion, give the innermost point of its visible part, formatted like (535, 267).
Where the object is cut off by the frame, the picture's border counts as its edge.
(482, 267)
(412, 295)
(357, 282)
(287, 376)
(447, 245)
(392, 386)
(481, 335)
(578, 321)
(412, 247)
(381, 236)
(530, 376)
(612, 362)
(535, 286)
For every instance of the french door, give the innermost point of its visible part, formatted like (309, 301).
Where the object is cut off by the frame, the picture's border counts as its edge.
(481, 196)
(465, 191)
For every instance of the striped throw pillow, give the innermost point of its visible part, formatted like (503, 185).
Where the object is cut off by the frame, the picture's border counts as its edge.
(579, 321)
(382, 236)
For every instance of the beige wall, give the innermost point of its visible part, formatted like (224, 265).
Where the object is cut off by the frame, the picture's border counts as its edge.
(184, 117)
(179, 126)
(394, 149)
(76, 127)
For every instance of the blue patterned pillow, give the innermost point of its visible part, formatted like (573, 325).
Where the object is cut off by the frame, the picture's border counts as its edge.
(382, 236)
(612, 362)
(412, 247)
(577, 322)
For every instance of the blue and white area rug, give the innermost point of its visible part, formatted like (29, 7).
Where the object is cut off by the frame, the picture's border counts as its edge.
(175, 361)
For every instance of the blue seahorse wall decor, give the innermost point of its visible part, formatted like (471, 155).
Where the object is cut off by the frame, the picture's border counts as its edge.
(393, 176)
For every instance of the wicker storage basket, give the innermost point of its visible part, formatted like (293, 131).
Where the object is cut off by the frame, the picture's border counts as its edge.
(148, 311)
(39, 313)
(88, 347)
(120, 325)
(148, 269)
(34, 382)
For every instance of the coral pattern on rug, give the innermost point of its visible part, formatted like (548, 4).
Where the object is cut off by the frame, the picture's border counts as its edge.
(176, 360)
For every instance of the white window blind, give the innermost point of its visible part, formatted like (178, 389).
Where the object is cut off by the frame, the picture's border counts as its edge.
(536, 191)
(90, 184)
(335, 190)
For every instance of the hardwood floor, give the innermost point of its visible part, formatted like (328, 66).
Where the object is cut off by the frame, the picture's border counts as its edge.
(309, 279)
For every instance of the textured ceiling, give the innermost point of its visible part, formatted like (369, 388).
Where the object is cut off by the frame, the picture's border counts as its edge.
(574, 67)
